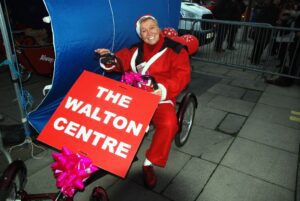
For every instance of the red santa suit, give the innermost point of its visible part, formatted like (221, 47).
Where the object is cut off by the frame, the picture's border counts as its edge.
(168, 62)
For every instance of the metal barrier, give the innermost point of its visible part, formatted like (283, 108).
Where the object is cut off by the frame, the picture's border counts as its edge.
(250, 46)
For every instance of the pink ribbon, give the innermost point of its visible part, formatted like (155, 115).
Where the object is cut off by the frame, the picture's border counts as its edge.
(135, 80)
(71, 170)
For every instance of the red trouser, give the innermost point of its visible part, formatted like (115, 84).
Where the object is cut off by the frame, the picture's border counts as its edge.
(166, 125)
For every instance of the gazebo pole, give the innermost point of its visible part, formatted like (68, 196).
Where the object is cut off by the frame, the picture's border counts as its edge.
(12, 63)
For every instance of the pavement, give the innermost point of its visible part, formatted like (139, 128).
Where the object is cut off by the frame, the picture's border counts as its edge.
(244, 144)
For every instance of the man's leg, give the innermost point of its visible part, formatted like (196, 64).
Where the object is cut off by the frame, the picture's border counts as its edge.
(166, 126)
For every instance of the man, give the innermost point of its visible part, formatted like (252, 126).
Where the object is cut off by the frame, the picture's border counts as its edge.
(294, 55)
(268, 14)
(168, 62)
(224, 11)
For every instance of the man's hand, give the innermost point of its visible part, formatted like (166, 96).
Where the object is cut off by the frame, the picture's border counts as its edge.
(102, 51)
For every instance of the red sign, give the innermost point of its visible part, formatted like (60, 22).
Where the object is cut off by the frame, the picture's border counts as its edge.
(102, 119)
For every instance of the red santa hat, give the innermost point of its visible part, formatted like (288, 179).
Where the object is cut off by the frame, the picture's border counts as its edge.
(138, 23)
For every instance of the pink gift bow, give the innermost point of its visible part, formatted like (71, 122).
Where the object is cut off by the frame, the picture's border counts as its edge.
(135, 80)
(71, 170)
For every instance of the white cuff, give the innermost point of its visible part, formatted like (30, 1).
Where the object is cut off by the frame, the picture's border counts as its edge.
(163, 91)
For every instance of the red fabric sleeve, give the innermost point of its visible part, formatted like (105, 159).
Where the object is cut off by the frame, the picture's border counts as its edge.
(179, 74)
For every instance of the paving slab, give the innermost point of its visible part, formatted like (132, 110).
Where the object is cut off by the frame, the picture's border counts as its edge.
(226, 90)
(42, 181)
(229, 185)
(207, 144)
(225, 80)
(188, 184)
(204, 98)
(293, 91)
(176, 162)
(267, 113)
(129, 191)
(258, 85)
(251, 75)
(210, 68)
(270, 164)
(232, 124)
(231, 105)
(209, 117)
(252, 96)
(288, 102)
(39, 161)
(271, 134)
(200, 83)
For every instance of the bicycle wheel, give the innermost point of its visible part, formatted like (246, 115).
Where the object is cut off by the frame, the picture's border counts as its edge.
(99, 194)
(13, 181)
(185, 114)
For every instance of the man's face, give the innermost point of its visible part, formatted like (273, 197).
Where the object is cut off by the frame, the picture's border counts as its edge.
(149, 32)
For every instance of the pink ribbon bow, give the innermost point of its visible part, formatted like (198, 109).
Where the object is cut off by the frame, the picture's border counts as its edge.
(135, 80)
(71, 170)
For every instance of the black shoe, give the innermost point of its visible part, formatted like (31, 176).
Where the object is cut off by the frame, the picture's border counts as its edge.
(281, 81)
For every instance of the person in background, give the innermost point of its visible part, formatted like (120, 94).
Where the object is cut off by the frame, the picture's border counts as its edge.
(168, 62)
(294, 56)
(223, 11)
(269, 14)
(237, 12)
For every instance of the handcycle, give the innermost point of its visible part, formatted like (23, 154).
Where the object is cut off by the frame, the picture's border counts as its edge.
(13, 179)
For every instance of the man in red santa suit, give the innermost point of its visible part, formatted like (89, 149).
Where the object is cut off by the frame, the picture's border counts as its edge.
(168, 62)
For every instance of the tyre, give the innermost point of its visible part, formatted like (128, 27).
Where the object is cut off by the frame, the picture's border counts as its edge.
(13, 180)
(99, 194)
(185, 114)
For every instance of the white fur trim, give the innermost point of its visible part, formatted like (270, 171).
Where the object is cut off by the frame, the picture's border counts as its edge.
(138, 23)
(147, 162)
(152, 60)
(167, 101)
(132, 61)
(163, 91)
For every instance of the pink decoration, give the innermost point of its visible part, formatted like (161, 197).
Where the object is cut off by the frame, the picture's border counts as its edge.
(71, 170)
(135, 80)
(169, 32)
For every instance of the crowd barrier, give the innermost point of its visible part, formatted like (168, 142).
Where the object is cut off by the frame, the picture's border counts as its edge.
(249, 46)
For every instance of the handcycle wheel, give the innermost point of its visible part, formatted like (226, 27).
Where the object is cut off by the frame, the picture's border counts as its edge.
(13, 180)
(185, 114)
(99, 194)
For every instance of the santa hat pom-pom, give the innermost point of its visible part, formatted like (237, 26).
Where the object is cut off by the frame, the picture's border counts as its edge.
(169, 32)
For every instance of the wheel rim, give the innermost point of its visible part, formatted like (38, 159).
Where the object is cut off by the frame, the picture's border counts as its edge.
(187, 122)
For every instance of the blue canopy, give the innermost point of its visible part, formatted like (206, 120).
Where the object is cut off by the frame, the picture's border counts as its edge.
(79, 27)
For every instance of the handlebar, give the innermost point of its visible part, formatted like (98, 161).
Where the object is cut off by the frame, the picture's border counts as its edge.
(112, 59)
